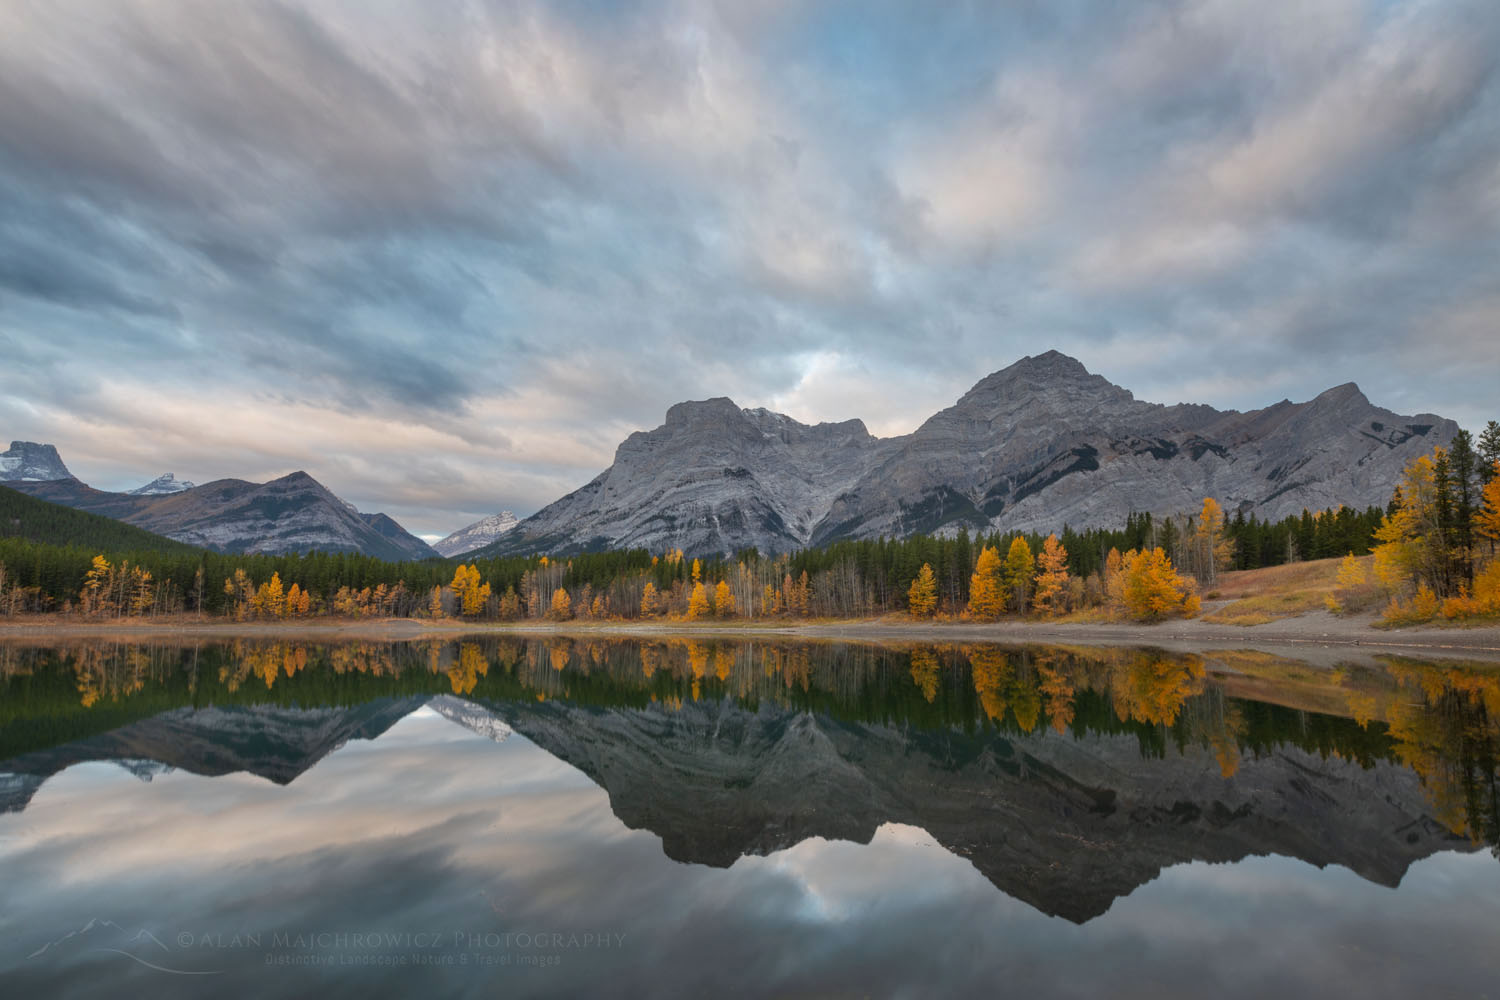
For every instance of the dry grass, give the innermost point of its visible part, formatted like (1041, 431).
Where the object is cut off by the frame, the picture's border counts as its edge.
(1259, 596)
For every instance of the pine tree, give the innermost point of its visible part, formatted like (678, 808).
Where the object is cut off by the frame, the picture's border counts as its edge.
(1489, 453)
(1462, 463)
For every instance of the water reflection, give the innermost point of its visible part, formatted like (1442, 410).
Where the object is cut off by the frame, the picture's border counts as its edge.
(1438, 719)
(1069, 778)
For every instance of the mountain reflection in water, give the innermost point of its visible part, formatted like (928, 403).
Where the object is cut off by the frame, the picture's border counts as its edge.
(1068, 777)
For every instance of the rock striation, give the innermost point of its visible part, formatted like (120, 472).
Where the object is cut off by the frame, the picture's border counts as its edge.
(1039, 445)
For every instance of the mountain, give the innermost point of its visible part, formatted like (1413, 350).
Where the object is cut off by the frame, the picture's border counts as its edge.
(477, 535)
(162, 486)
(1035, 446)
(295, 513)
(27, 461)
(35, 520)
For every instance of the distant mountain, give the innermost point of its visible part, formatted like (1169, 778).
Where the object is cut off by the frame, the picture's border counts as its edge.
(162, 486)
(477, 535)
(295, 513)
(36, 520)
(1036, 446)
(27, 461)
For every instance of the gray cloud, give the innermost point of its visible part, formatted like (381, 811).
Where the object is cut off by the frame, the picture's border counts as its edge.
(446, 259)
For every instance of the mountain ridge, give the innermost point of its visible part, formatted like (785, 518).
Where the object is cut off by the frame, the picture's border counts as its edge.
(1032, 447)
(294, 513)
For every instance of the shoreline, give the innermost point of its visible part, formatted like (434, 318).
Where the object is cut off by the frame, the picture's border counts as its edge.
(1304, 634)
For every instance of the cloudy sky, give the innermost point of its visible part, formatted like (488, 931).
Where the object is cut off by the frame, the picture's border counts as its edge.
(444, 256)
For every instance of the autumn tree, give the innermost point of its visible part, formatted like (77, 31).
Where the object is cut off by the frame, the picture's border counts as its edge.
(562, 607)
(698, 603)
(1152, 588)
(1487, 519)
(1051, 577)
(986, 587)
(921, 598)
(723, 600)
(1020, 567)
(1351, 578)
(650, 603)
(1212, 548)
(471, 593)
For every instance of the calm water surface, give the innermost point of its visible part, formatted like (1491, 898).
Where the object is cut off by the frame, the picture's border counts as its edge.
(554, 818)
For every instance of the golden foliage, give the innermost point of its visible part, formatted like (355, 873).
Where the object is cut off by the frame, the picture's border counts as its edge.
(922, 596)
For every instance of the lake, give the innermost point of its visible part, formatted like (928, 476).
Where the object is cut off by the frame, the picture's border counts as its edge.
(554, 817)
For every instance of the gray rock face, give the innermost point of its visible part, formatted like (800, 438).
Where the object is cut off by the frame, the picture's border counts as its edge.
(1036, 446)
(1066, 825)
(295, 513)
(713, 478)
(477, 535)
(162, 485)
(27, 461)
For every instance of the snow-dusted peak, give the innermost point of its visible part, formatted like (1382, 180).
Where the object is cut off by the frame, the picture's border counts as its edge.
(162, 485)
(29, 462)
(477, 535)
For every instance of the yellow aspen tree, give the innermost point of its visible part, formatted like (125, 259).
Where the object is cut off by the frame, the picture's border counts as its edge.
(95, 585)
(274, 605)
(1153, 590)
(1487, 518)
(697, 571)
(986, 588)
(723, 600)
(921, 598)
(768, 600)
(698, 602)
(1213, 549)
(294, 600)
(1020, 567)
(649, 601)
(434, 602)
(1351, 576)
(598, 609)
(562, 607)
(1051, 578)
(1114, 582)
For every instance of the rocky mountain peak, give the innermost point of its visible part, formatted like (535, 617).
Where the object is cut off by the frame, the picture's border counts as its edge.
(27, 461)
(162, 485)
(477, 535)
